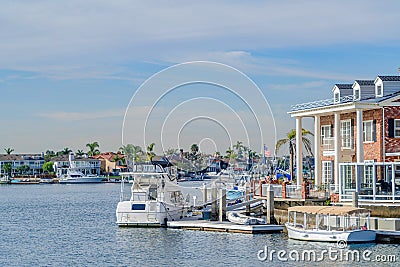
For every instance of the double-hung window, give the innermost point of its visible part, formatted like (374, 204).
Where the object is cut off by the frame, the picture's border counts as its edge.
(325, 134)
(327, 177)
(368, 131)
(345, 130)
(397, 128)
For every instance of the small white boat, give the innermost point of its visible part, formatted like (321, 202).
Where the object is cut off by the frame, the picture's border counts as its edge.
(329, 224)
(74, 176)
(155, 199)
(239, 218)
(77, 177)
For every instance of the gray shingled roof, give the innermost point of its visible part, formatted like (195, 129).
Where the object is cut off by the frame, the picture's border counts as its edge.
(365, 82)
(20, 157)
(344, 85)
(390, 78)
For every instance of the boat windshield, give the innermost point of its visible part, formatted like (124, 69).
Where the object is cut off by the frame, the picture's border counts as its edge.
(139, 196)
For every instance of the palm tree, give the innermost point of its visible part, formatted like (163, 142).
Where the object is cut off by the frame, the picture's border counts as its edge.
(93, 148)
(80, 153)
(230, 154)
(217, 154)
(66, 151)
(149, 151)
(291, 141)
(239, 148)
(9, 150)
(194, 149)
(127, 150)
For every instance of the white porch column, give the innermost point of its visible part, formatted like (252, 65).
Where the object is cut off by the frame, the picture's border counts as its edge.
(337, 145)
(317, 147)
(360, 148)
(299, 152)
(359, 136)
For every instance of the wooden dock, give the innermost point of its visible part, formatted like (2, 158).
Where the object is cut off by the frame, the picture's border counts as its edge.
(216, 226)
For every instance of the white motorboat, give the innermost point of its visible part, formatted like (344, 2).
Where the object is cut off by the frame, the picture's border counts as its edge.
(329, 224)
(155, 199)
(239, 218)
(77, 177)
(74, 176)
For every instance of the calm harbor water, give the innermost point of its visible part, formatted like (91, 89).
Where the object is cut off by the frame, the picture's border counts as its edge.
(74, 225)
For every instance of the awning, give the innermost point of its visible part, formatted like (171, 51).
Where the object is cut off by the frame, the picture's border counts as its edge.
(331, 210)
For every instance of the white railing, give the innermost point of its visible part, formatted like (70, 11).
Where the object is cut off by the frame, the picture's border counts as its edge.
(328, 102)
(277, 190)
(293, 191)
(382, 187)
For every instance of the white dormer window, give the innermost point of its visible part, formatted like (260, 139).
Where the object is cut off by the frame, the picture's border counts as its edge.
(357, 94)
(379, 90)
(336, 97)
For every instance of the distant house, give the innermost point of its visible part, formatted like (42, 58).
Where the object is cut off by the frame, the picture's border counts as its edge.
(33, 161)
(85, 165)
(356, 139)
(111, 163)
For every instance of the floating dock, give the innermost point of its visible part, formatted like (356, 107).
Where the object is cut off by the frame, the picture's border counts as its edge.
(226, 226)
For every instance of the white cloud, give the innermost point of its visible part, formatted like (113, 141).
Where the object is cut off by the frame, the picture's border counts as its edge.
(80, 116)
(97, 32)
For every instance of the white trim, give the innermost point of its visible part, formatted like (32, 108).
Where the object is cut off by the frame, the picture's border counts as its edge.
(390, 154)
(333, 108)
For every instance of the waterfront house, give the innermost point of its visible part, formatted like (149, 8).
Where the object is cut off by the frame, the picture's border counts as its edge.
(86, 165)
(33, 161)
(356, 139)
(111, 163)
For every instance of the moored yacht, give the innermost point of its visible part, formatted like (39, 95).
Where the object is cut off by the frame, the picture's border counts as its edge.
(74, 176)
(155, 199)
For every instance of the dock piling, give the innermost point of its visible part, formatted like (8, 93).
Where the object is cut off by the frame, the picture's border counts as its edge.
(247, 198)
(204, 194)
(270, 204)
(214, 200)
(222, 205)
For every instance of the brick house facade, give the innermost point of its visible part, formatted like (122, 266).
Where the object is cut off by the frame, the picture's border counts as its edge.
(354, 132)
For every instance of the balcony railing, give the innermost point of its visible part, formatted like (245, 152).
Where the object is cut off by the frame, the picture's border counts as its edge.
(329, 102)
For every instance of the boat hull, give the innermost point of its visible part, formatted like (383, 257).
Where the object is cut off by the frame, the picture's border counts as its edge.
(353, 236)
(81, 180)
(153, 214)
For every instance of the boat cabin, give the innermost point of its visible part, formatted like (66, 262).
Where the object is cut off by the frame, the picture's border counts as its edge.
(328, 218)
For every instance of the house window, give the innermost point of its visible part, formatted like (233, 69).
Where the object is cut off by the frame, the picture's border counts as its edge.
(348, 177)
(368, 131)
(357, 94)
(397, 128)
(379, 90)
(325, 133)
(337, 97)
(345, 130)
(368, 176)
(327, 173)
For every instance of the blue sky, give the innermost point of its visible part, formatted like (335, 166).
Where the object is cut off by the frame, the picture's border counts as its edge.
(68, 69)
